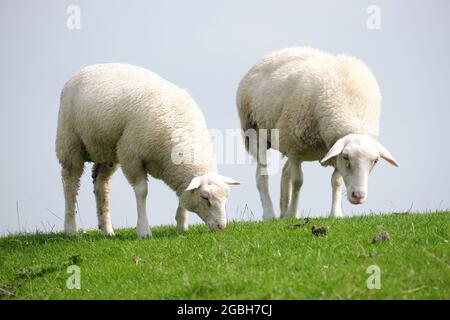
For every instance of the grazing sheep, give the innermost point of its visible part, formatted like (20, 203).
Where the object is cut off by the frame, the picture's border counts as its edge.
(113, 114)
(326, 107)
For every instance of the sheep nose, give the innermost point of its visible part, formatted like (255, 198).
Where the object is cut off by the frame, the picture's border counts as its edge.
(359, 196)
(221, 226)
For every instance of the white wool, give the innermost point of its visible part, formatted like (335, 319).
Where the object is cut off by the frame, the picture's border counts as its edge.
(313, 97)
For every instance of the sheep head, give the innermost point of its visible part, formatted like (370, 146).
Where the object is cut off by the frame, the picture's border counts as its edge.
(207, 195)
(354, 156)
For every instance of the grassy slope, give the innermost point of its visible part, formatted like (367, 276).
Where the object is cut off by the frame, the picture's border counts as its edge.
(250, 260)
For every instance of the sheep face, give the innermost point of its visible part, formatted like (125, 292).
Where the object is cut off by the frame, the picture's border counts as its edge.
(354, 158)
(355, 164)
(206, 195)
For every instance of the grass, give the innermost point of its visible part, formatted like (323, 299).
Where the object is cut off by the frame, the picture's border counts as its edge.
(249, 260)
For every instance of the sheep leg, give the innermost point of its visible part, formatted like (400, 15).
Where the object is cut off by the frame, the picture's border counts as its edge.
(258, 150)
(71, 183)
(181, 218)
(336, 184)
(286, 190)
(101, 174)
(141, 190)
(295, 169)
(262, 183)
(137, 176)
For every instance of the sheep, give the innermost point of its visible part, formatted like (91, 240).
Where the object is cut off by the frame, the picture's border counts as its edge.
(325, 107)
(122, 115)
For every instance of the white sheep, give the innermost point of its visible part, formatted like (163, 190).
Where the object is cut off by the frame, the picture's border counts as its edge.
(118, 114)
(326, 107)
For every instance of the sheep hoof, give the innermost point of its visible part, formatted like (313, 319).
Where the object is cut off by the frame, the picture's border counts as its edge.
(71, 232)
(289, 215)
(144, 235)
(108, 233)
(182, 228)
(269, 216)
(336, 215)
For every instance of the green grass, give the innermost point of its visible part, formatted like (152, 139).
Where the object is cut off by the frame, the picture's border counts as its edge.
(248, 260)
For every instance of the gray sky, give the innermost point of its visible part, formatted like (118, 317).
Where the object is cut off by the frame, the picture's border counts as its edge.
(206, 47)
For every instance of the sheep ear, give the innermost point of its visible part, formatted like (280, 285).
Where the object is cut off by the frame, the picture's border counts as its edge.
(229, 180)
(334, 151)
(195, 183)
(386, 155)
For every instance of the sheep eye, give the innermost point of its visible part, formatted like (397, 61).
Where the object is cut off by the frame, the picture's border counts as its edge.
(375, 161)
(207, 201)
(345, 156)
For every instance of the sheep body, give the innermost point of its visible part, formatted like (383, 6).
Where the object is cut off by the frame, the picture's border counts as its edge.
(312, 97)
(119, 112)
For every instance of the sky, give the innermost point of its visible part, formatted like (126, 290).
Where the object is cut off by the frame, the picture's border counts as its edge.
(206, 47)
